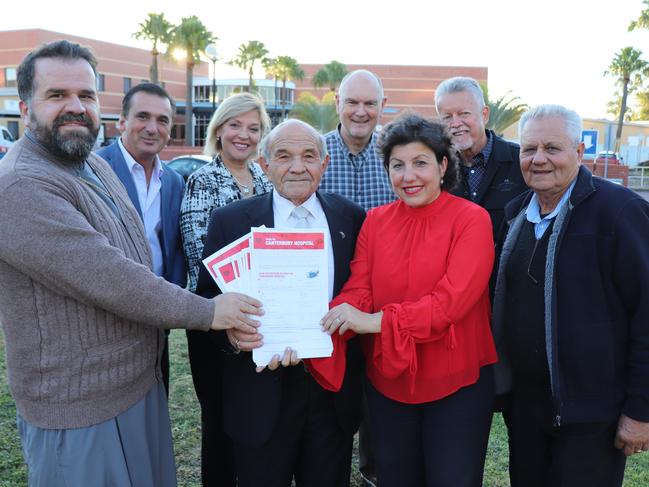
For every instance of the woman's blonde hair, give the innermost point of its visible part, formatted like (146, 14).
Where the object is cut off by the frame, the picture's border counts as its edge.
(233, 106)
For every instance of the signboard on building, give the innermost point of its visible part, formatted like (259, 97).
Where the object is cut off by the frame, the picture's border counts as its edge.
(589, 139)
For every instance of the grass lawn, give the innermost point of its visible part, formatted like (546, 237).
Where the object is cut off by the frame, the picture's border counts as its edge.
(186, 430)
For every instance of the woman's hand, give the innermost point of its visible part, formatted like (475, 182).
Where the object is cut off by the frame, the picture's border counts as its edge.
(345, 317)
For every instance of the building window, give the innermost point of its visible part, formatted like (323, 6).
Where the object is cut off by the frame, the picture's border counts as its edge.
(200, 129)
(10, 77)
(12, 127)
(127, 84)
(101, 82)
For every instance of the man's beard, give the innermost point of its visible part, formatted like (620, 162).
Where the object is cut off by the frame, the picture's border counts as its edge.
(74, 146)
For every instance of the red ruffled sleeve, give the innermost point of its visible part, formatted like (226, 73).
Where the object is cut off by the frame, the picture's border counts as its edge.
(433, 317)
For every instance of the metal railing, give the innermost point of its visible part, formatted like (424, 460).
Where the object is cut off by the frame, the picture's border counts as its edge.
(639, 177)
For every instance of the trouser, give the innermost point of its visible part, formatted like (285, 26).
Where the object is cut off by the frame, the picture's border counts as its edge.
(133, 449)
(542, 455)
(206, 361)
(307, 442)
(441, 443)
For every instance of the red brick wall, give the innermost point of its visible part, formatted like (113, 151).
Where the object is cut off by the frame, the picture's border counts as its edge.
(614, 171)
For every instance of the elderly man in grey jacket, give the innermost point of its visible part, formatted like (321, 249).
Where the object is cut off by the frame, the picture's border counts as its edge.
(82, 312)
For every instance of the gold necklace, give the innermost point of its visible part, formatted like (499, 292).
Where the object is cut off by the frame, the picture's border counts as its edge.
(245, 188)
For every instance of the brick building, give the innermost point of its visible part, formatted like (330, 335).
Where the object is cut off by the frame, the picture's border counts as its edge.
(406, 87)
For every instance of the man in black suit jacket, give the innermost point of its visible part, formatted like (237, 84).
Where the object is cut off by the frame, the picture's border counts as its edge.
(490, 173)
(282, 422)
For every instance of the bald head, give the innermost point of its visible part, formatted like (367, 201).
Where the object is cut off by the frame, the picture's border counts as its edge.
(294, 158)
(359, 104)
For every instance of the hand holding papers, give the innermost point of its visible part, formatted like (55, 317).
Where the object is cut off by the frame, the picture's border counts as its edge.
(288, 272)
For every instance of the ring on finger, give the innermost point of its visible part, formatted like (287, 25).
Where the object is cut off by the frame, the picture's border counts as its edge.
(338, 320)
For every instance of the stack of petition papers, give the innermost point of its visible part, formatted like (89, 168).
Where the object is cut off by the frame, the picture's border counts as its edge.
(287, 270)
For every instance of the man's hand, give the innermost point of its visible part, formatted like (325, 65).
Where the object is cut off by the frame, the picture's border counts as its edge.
(231, 310)
(244, 342)
(345, 317)
(290, 358)
(632, 436)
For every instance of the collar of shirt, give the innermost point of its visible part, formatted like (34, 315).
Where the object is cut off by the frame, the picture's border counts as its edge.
(130, 162)
(282, 212)
(533, 212)
(283, 207)
(362, 155)
(481, 158)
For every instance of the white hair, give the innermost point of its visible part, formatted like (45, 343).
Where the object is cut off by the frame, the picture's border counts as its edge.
(458, 84)
(570, 117)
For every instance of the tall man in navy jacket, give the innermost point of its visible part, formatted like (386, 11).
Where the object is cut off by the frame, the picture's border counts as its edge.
(490, 174)
(282, 422)
(155, 190)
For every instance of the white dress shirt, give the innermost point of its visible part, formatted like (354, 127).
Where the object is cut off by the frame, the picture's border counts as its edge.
(149, 199)
(317, 220)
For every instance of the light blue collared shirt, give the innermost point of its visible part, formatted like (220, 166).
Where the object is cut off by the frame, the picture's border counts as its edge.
(533, 212)
(149, 199)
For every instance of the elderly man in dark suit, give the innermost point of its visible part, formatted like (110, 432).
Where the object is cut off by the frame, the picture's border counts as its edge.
(156, 191)
(283, 424)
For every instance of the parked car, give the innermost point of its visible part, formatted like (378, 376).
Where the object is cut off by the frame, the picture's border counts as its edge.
(185, 165)
(608, 156)
(6, 141)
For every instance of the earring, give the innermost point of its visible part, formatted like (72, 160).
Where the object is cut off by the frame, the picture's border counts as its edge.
(441, 183)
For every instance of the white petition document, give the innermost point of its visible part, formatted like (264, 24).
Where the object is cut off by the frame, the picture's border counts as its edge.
(289, 275)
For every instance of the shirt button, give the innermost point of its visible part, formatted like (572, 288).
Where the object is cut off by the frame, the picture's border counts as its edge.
(472, 171)
(474, 194)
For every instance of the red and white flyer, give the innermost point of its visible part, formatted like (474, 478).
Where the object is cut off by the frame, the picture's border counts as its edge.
(290, 276)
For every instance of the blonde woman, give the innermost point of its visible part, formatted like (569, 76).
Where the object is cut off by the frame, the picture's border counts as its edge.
(232, 138)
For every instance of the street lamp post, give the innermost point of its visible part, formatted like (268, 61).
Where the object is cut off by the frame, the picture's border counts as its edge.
(212, 53)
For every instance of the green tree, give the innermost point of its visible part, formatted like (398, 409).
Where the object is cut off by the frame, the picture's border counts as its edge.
(320, 114)
(248, 55)
(503, 111)
(158, 30)
(642, 22)
(613, 107)
(272, 69)
(192, 37)
(642, 98)
(330, 75)
(629, 68)
(287, 68)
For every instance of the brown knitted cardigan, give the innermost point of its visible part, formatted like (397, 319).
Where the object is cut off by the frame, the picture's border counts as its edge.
(81, 311)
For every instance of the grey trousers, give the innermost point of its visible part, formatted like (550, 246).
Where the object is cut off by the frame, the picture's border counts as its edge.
(133, 449)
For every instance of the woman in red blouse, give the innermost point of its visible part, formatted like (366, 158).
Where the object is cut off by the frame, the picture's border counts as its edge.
(418, 296)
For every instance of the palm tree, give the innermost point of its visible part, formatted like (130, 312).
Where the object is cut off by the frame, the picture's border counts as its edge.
(320, 114)
(330, 75)
(248, 55)
(286, 69)
(272, 69)
(158, 30)
(628, 68)
(613, 107)
(192, 37)
(643, 21)
(503, 111)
